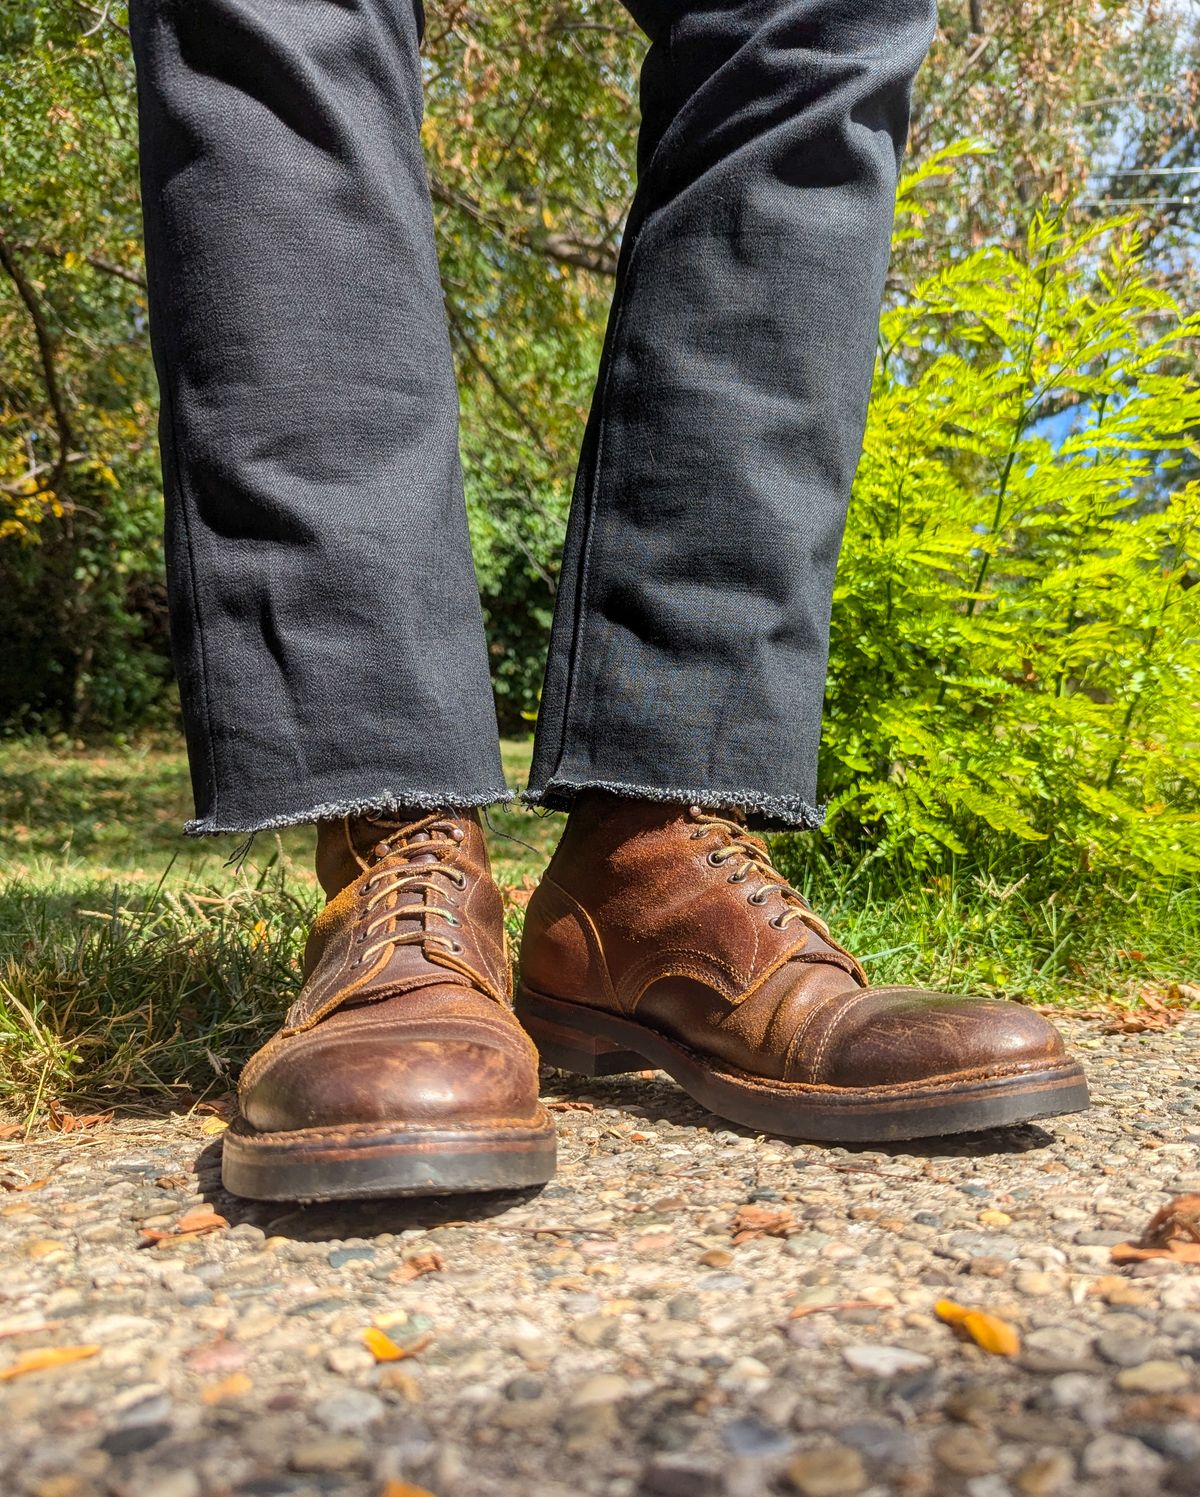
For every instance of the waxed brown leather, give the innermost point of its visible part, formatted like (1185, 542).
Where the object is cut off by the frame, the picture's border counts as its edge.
(405, 1012)
(662, 915)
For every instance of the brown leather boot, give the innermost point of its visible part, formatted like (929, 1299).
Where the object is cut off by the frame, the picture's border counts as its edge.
(400, 1068)
(665, 936)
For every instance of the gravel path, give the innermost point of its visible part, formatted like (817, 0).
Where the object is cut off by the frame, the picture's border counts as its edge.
(606, 1335)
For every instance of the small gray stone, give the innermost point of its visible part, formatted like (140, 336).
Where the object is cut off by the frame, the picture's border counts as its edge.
(884, 1361)
(1057, 1348)
(341, 1256)
(1120, 1455)
(348, 1412)
(882, 1441)
(751, 1437)
(523, 1388)
(1123, 1350)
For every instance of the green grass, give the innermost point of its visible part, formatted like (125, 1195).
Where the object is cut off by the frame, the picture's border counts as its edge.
(135, 964)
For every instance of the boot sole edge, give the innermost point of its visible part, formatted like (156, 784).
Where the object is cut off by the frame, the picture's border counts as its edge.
(365, 1161)
(591, 1042)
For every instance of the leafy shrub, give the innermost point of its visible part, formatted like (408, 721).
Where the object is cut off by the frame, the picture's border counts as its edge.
(1015, 656)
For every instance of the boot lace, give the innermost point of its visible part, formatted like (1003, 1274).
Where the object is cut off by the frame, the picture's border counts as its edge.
(435, 839)
(746, 854)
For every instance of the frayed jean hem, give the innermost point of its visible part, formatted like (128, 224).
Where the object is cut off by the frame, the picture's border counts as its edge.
(784, 813)
(385, 801)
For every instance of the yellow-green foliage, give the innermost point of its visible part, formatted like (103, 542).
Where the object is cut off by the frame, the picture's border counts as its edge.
(1016, 650)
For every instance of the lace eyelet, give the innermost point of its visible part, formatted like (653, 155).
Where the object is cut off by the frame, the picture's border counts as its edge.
(758, 897)
(715, 859)
(453, 920)
(454, 947)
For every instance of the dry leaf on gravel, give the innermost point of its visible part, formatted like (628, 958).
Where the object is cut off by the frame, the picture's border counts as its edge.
(10, 1130)
(762, 1221)
(1172, 1232)
(10, 1182)
(395, 1488)
(987, 1331)
(1152, 1012)
(191, 1224)
(416, 1266)
(570, 1107)
(212, 1126)
(46, 1356)
(229, 1387)
(384, 1349)
(59, 1120)
(842, 1304)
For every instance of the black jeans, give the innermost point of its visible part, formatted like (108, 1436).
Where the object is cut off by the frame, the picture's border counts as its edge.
(325, 616)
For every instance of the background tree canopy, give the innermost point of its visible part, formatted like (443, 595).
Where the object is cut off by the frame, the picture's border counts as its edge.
(1015, 649)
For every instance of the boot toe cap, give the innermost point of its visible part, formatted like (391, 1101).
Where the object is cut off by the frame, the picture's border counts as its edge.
(342, 1075)
(905, 1035)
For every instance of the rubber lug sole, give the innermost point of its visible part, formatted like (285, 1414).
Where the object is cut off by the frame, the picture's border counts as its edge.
(590, 1042)
(372, 1160)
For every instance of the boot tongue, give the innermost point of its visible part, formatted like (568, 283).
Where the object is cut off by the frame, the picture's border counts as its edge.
(376, 837)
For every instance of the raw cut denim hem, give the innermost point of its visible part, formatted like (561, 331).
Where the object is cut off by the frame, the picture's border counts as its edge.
(784, 813)
(385, 801)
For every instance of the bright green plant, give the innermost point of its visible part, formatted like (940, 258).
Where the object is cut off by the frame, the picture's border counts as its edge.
(1016, 641)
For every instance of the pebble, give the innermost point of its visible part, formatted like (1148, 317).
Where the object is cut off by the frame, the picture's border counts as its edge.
(884, 1361)
(1046, 1475)
(348, 1360)
(1125, 1350)
(348, 1412)
(1056, 1348)
(829, 1471)
(328, 1455)
(1121, 1455)
(604, 1388)
(881, 1441)
(752, 1437)
(965, 1451)
(682, 1476)
(1153, 1377)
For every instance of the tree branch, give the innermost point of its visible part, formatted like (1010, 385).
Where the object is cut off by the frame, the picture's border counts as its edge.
(132, 276)
(562, 248)
(47, 353)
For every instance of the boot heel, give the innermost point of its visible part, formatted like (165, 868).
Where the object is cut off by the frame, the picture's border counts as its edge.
(571, 1049)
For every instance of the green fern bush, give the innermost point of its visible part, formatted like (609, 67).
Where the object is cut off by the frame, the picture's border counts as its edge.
(1015, 654)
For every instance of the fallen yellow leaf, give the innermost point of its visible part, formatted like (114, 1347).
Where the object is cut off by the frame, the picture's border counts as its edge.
(395, 1488)
(384, 1349)
(213, 1125)
(987, 1331)
(47, 1356)
(232, 1386)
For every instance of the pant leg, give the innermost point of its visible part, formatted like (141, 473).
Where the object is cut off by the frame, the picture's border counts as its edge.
(689, 646)
(325, 617)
